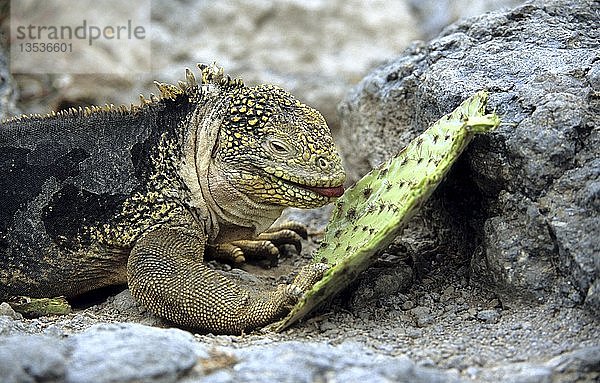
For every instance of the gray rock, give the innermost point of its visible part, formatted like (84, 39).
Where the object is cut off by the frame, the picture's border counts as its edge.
(489, 316)
(32, 358)
(518, 246)
(581, 365)
(585, 359)
(130, 353)
(376, 283)
(9, 326)
(527, 193)
(124, 302)
(103, 353)
(422, 316)
(309, 362)
(6, 310)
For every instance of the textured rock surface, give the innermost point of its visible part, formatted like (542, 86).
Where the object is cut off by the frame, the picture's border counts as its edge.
(529, 191)
(131, 353)
(347, 362)
(434, 15)
(134, 353)
(104, 353)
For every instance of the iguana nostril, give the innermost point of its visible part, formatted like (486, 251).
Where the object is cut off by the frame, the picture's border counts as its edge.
(323, 163)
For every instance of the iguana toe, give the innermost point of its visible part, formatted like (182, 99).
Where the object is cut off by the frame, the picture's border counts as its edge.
(229, 253)
(297, 227)
(309, 275)
(283, 237)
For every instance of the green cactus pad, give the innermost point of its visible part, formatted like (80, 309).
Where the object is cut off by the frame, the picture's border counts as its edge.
(369, 215)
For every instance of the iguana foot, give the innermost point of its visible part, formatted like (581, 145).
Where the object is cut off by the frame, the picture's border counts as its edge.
(267, 245)
(238, 251)
(304, 281)
(294, 226)
(309, 275)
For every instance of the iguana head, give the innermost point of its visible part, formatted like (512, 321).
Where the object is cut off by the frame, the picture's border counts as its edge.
(275, 149)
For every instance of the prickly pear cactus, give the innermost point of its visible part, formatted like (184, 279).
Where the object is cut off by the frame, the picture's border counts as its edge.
(372, 213)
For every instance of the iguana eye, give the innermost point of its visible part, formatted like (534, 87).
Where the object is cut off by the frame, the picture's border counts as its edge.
(278, 146)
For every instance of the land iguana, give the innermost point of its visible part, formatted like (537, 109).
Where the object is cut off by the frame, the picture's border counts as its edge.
(139, 195)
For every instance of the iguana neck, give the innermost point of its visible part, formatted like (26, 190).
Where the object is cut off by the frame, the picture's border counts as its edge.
(233, 208)
(213, 198)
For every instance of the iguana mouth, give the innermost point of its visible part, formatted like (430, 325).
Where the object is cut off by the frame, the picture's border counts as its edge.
(331, 192)
(325, 191)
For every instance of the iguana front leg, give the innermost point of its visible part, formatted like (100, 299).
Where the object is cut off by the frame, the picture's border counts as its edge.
(166, 274)
(266, 245)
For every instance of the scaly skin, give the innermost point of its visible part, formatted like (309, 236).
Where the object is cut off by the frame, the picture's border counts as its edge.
(138, 195)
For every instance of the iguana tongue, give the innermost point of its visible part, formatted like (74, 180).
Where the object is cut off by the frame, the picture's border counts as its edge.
(327, 192)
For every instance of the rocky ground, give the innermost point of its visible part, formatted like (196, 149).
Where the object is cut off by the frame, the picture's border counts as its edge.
(495, 280)
(440, 328)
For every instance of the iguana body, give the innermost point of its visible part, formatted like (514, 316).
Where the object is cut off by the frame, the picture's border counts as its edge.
(136, 195)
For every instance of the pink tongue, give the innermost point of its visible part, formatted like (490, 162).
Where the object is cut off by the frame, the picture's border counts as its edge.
(328, 192)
